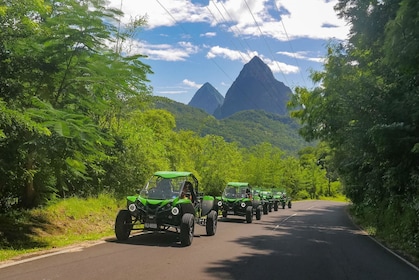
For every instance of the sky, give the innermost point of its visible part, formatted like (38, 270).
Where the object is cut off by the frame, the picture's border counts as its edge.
(190, 42)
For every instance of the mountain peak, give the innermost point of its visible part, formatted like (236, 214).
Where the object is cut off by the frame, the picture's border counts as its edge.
(207, 98)
(255, 89)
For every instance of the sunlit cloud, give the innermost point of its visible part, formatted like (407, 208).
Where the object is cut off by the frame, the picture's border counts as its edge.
(191, 84)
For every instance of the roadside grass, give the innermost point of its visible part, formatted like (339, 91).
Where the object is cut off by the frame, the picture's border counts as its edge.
(337, 198)
(69, 221)
(393, 229)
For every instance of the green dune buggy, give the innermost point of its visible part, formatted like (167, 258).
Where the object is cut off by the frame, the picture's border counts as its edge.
(236, 199)
(285, 200)
(169, 200)
(264, 201)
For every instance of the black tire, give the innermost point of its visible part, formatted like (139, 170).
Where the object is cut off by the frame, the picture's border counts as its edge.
(224, 214)
(265, 209)
(270, 207)
(276, 206)
(123, 225)
(258, 213)
(249, 214)
(283, 205)
(187, 228)
(211, 225)
(289, 204)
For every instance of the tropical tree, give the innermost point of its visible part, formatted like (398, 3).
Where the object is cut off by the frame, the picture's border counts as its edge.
(365, 108)
(59, 71)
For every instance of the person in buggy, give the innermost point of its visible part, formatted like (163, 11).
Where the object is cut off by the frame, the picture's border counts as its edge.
(187, 191)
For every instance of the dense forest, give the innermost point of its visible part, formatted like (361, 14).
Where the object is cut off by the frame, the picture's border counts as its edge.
(366, 109)
(77, 117)
(247, 128)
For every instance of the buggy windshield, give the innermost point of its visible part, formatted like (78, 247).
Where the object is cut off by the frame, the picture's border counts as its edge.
(236, 192)
(163, 188)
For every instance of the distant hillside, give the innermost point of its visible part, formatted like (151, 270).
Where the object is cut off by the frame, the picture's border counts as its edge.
(255, 89)
(248, 128)
(207, 98)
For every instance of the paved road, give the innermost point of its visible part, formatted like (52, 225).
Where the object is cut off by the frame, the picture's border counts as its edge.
(313, 240)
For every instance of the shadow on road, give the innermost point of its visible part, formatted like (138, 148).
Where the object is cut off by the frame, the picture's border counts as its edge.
(160, 239)
(309, 244)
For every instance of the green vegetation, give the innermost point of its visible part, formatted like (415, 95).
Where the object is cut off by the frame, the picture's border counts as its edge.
(60, 224)
(247, 128)
(366, 110)
(77, 121)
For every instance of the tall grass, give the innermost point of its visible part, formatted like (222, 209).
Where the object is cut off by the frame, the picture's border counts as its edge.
(66, 222)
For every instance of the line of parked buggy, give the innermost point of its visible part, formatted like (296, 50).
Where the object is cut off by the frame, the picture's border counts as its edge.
(171, 200)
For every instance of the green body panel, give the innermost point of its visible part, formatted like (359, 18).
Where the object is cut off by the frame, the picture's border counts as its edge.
(207, 197)
(172, 174)
(235, 199)
(131, 198)
(238, 184)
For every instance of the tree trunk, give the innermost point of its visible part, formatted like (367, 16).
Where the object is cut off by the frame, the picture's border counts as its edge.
(29, 193)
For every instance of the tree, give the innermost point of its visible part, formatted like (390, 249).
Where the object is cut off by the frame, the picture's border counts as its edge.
(365, 108)
(60, 73)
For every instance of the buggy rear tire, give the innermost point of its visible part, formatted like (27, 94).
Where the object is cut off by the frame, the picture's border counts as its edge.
(265, 209)
(211, 225)
(276, 206)
(249, 214)
(258, 213)
(187, 228)
(123, 225)
(289, 204)
(224, 214)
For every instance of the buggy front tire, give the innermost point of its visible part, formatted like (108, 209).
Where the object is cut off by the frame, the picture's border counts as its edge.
(187, 228)
(249, 214)
(211, 225)
(123, 225)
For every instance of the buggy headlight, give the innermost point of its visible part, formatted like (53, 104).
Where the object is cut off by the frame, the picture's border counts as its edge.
(243, 204)
(132, 207)
(175, 211)
(220, 203)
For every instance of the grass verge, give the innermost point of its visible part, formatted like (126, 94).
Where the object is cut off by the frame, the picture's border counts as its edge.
(70, 221)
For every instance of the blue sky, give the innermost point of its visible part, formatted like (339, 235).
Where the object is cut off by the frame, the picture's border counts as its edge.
(190, 42)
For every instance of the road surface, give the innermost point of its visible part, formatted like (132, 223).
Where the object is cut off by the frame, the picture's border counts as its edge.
(312, 240)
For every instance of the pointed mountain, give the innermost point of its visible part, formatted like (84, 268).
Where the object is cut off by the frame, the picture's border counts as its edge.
(255, 89)
(207, 98)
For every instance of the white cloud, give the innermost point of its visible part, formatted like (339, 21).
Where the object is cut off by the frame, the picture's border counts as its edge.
(209, 34)
(303, 56)
(276, 66)
(179, 52)
(303, 18)
(191, 84)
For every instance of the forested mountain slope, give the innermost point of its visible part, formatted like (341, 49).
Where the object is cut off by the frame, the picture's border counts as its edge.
(247, 128)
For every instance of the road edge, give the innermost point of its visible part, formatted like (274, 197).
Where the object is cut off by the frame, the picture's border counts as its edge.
(391, 251)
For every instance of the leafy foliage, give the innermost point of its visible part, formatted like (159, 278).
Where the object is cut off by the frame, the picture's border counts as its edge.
(76, 117)
(366, 110)
(59, 76)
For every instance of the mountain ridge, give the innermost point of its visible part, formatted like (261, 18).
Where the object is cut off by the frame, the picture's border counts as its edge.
(247, 128)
